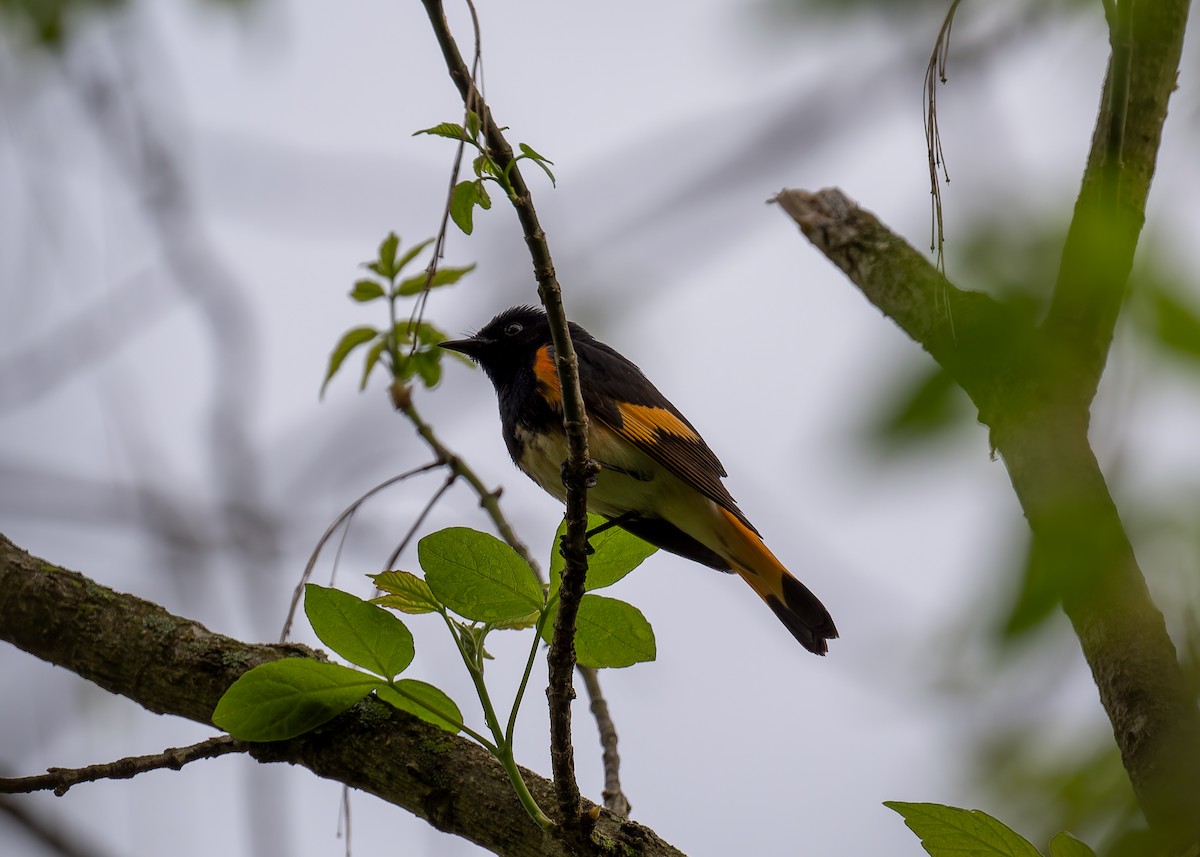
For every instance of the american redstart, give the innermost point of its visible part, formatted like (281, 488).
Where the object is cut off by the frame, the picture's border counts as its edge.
(657, 477)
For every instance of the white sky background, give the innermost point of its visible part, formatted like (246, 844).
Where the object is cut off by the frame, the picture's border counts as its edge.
(294, 131)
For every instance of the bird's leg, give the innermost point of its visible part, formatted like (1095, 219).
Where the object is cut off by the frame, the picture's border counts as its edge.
(623, 518)
(591, 480)
(607, 525)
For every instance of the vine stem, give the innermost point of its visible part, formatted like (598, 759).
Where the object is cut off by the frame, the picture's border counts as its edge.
(503, 749)
(579, 468)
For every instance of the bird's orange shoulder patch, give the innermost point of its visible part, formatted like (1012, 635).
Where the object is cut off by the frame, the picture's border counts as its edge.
(646, 423)
(547, 375)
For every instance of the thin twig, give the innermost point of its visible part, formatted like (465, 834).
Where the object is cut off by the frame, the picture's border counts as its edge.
(439, 244)
(346, 515)
(61, 779)
(420, 519)
(614, 799)
(579, 469)
(935, 73)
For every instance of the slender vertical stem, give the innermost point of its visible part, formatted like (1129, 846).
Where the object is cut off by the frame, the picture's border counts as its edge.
(579, 468)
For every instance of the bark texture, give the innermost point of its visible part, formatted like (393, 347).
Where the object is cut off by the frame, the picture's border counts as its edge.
(1028, 396)
(172, 665)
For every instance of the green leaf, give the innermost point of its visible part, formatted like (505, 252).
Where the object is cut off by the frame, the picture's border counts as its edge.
(387, 255)
(1177, 325)
(467, 195)
(921, 406)
(528, 152)
(608, 633)
(451, 130)
(441, 277)
(1065, 845)
(428, 365)
(373, 355)
(405, 592)
(473, 123)
(350, 340)
(412, 253)
(478, 576)
(483, 165)
(1039, 594)
(366, 290)
(472, 638)
(518, 624)
(359, 631)
(413, 696)
(427, 334)
(616, 552)
(286, 698)
(947, 831)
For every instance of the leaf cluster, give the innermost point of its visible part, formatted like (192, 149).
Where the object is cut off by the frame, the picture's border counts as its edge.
(477, 584)
(406, 347)
(470, 193)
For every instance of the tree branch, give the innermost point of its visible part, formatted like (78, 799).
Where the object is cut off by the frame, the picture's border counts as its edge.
(1013, 373)
(614, 799)
(579, 469)
(172, 665)
(61, 779)
(1147, 41)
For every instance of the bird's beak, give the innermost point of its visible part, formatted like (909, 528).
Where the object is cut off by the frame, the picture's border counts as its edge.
(472, 347)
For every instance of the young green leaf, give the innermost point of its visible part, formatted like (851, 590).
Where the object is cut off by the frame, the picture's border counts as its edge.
(473, 123)
(288, 697)
(483, 165)
(518, 624)
(616, 552)
(467, 195)
(1065, 845)
(350, 340)
(428, 365)
(411, 254)
(441, 277)
(947, 831)
(387, 256)
(360, 632)
(608, 633)
(528, 152)
(405, 592)
(366, 290)
(478, 576)
(427, 334)
(422, 700)
(373, 355)
(452, 130)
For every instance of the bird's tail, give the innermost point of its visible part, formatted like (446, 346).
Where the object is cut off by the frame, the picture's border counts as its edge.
(797, 608)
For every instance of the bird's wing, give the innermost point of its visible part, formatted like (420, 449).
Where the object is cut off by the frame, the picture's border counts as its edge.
(620, 398)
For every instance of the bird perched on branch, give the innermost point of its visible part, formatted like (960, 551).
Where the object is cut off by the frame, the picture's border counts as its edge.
(657, 478)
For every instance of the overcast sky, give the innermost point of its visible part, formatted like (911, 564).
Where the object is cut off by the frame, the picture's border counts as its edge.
(669, 125)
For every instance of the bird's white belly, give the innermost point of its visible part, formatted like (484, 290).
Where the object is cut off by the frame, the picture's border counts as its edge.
(618, 489)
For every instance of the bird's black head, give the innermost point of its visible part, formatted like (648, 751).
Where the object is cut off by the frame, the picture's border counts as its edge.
(506, 343)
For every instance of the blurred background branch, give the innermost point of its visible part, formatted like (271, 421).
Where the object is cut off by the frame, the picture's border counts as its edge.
(287, 127)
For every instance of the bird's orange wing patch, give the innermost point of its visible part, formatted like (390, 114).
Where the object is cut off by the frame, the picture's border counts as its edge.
(547, 375)
(646, 422)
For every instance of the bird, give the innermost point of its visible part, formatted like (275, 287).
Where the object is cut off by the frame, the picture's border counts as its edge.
(656, 476)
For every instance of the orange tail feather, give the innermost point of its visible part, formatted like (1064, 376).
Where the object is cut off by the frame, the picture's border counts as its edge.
(801, 612)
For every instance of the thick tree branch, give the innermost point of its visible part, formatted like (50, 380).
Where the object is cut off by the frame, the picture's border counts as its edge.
(579, 469)
(172, 665)
(1013, 372)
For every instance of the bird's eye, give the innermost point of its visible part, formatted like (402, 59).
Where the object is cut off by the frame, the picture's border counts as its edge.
(513, 329)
